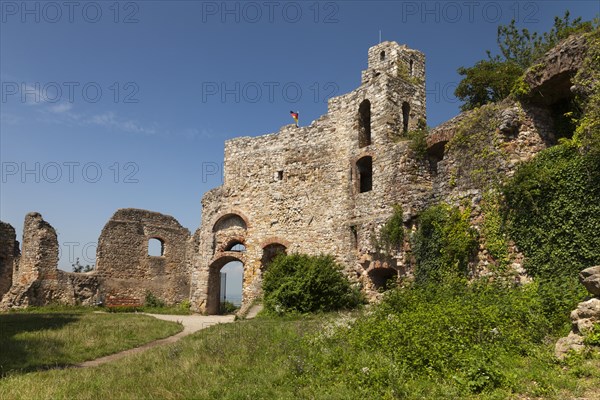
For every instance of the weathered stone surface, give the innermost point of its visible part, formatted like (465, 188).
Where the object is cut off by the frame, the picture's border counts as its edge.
(587, 309)
(583, 319)
(590, 278)
(126, 270)
(510, 121)
(573, 342)
(36, 277)
(9, 254)
(550, 80)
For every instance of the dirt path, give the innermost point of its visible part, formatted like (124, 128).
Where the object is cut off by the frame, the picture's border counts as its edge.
(191, 324)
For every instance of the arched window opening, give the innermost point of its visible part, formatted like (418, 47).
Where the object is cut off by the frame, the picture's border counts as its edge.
(382, 56)
(229, 221)
(235, 246)
(405, 116)
(364, 167)
(270, 252)
(410, 67)
(156, 247)
(364, 124)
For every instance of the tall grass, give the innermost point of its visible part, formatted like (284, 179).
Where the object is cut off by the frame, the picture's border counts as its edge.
(317, 358)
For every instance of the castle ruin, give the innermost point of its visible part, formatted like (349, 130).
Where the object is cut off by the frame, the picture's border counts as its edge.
(324, 188)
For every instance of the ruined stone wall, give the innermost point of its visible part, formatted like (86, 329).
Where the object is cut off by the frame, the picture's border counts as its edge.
(300, 188)
(36, 279)
(127, 271)
(514, 132)
(9, 254)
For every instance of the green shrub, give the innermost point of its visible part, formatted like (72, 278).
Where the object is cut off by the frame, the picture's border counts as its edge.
(227, 307)
(152, 301)
(587, 133)
(443, 243)
(391, 235)
(494, 232)
(418, 142)
(593, 338)
(468, 333)
(559, 295)
(304, 284)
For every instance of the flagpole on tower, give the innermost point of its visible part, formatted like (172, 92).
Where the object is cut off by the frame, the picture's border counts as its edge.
(380, 36)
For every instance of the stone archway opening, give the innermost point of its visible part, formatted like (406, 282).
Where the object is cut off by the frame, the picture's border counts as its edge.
(225, 279)
(383, 279)
(235, 245)
(364, 169)
(271, 251)
(230, 291)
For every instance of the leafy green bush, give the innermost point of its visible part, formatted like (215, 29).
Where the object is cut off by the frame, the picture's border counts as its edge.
(559, 295)
(391, 235)
(553, 211)
(494, 233)
(587, 133)
(304, 284)
(593, 338)
(418, 142)
(227, 307)
(153, 301)
(443, 243)
(469, 333)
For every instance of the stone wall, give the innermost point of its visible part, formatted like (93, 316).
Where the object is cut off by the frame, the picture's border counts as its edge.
(36, 279)
(9, 254)
(126, 270)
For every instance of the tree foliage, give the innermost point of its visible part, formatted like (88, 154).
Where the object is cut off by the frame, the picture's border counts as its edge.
(304, 284)
(491, 80)
(524, 48)
(488, 81)
(77, 267)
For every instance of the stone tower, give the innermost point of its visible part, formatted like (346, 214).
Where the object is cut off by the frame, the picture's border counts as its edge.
(400, 73)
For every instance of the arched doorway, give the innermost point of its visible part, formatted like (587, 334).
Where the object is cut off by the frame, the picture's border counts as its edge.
(225, 278)
(271, 251)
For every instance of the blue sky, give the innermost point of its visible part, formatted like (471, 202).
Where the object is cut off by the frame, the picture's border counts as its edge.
(112, 104)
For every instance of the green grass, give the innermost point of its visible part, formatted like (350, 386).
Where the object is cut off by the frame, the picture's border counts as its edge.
(271, 359)
(57, 336)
